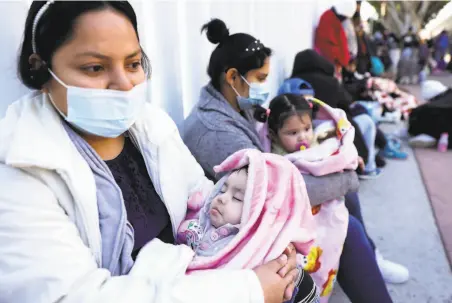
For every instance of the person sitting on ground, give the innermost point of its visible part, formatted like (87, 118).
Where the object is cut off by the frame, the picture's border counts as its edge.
(223, 122)
(301, 87)
(95, 179)
(322, 150)
(318, 72)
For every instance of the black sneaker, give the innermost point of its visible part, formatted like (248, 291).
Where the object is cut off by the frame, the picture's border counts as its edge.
(380, 161)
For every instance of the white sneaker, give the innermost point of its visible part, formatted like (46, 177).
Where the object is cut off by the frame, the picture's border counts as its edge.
(392, 272)
(404, 80)
(422, 141)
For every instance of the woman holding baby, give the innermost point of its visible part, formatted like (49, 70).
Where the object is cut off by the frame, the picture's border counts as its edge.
(95, 180)
(223, 122)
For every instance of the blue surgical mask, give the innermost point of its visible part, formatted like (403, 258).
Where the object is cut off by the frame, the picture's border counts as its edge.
(258, 94)
(102, 112)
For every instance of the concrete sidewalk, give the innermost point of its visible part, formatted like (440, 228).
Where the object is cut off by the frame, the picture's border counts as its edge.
(399, 218)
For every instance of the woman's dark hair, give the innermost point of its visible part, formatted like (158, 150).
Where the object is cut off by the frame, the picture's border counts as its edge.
(284, 106)
(54, 28)
(240, 51)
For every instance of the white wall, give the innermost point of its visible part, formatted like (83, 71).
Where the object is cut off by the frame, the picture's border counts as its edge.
(170, 34)
(11, 25)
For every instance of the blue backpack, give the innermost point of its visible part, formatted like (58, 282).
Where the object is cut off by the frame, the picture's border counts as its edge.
(377, 66)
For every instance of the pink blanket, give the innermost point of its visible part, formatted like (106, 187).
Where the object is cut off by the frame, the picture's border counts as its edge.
(344, 158)
(276, 212)
(331, 217)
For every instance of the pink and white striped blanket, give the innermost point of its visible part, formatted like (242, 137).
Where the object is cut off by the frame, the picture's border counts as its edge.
(331, 217)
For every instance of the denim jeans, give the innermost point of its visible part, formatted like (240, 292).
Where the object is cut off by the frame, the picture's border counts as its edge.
(369, 130)
(359, 275)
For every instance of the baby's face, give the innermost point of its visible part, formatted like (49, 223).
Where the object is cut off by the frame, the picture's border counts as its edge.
(227, 206)
(297, 129)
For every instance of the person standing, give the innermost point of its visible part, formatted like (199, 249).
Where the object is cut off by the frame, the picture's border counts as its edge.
(330, 38)
(408, 69)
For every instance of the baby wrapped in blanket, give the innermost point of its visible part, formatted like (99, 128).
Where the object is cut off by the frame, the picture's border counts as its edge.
(250, 217)
(325, 149)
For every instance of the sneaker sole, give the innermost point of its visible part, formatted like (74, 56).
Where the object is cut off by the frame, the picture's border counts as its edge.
(421, 144)
(367, 177)
(395, 157)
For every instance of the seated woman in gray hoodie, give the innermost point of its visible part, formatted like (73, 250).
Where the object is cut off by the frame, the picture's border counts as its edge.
(222, 122)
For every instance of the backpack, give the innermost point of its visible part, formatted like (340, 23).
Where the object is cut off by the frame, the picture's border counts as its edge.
(378, 67)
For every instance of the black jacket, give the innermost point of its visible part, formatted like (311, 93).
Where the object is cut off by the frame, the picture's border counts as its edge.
(319, 72)
(357, 88)
(433, 118)
(410, 40)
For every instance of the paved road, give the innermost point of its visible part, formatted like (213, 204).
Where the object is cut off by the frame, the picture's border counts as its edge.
(398, 216)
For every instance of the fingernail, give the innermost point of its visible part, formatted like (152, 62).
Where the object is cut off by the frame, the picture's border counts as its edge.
(284, 258)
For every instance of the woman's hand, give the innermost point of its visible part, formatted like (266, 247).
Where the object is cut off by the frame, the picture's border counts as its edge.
(291, 254)
(273, 285)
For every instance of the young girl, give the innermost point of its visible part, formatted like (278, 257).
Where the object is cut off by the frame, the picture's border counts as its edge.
(317, 147)
(290, 124)
(236, 225)
(291, 129)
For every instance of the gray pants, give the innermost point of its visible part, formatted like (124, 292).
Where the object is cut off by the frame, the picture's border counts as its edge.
(408, 64)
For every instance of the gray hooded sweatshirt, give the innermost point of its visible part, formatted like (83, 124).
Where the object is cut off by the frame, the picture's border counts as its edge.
(214, 130)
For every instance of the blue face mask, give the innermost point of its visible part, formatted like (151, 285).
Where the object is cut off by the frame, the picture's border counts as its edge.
(102, 112)
(258, 94)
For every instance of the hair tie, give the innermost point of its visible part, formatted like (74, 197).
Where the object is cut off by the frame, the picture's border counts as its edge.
(35, 24)
(261, 114)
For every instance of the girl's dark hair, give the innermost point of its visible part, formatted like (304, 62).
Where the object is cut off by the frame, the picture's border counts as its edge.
(54, 28)
(284, 106)
(231, 52)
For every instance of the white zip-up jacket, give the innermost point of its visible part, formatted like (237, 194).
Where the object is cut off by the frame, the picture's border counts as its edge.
(50, 241)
